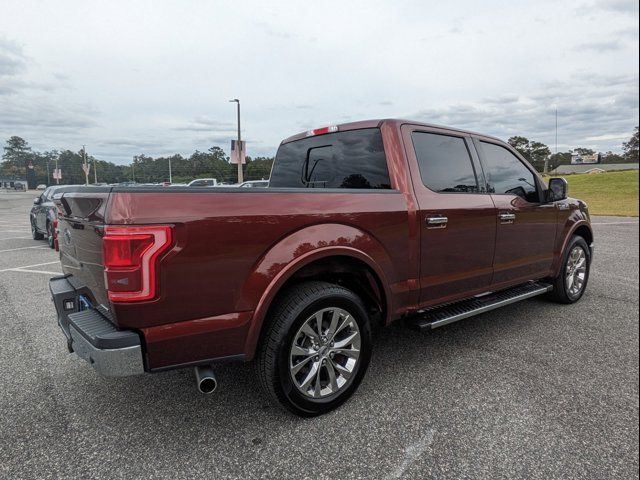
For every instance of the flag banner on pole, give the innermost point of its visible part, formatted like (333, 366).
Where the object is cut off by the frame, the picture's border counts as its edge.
(86, 168)
(234, 152)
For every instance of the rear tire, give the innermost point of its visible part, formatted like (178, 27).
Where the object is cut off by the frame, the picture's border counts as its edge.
(50, 237)
(571, 282)
(34, 232)
(316, 348)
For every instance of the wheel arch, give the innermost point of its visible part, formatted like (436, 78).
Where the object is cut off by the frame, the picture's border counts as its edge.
(356, 261)
(582, 229)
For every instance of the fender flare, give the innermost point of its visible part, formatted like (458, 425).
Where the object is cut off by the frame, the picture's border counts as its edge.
(558, 258)
(379, 262)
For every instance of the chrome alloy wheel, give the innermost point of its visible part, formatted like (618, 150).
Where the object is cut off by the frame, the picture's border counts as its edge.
(324, 352)
(576, 271)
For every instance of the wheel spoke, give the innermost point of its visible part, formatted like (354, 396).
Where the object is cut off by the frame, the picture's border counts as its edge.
(310, 332)
(298, 351)
(345, 372)
(335, 318)
(318, 317)
(298, 366)
(346, 341)
(310, 376)
(349, 352)
(332, 376)
(345, 321)
(317, 390)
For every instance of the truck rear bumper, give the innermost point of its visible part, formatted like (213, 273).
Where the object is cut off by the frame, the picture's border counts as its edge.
(89, 334)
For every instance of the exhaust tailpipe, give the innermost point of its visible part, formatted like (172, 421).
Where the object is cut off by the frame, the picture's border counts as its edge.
(206, 379)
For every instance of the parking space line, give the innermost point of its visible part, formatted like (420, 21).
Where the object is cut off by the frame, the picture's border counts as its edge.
(28, 266)
(34, 271)
(22, 248)
(15, 238)
(614, 223)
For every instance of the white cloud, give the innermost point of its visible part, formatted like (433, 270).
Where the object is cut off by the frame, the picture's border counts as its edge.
(126, 78)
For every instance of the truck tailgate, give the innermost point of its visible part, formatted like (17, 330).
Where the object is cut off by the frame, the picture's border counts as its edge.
(80, 226)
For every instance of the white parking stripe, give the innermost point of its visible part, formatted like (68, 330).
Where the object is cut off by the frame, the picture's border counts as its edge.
(21, 248)
(34, 271)
(15, 238)
(615, 223)
(28, 266)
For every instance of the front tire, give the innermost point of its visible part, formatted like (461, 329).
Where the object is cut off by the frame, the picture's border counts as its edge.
(316, 348)
(50, 237)
(571, 282)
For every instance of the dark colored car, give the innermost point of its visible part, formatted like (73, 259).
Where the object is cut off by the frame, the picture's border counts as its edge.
(361, 225)
(43, 216)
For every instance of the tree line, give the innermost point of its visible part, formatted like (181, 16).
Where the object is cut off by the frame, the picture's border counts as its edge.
(18, 158)
(537, 153)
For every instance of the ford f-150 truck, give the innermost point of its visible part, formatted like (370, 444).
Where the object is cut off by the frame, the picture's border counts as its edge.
(361, 225)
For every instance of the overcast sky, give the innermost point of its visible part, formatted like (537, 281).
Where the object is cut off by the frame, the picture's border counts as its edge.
(155, 77)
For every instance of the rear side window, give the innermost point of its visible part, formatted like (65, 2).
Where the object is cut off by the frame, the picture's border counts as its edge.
(444, 162)
(507, 174)
(350, 159)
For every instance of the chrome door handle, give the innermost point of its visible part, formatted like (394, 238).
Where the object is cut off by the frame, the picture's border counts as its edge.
(507, 218)
(437, 221)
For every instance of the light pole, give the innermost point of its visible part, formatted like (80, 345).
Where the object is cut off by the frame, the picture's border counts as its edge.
(239, 144)
(85, 166)
(170, 180)
(57, 173)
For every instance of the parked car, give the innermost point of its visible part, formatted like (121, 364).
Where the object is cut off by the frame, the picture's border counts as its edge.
(42, 217)
(42, 186)
(203, 182)
(363, 224)
(254, 184)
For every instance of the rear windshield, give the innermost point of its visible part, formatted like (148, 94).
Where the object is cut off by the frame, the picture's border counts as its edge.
(351, 159)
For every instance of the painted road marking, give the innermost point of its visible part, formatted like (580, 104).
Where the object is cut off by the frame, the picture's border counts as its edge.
(29, 266)
(21, 248)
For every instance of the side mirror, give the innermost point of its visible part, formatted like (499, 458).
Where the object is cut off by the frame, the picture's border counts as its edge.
(557, 189)
(36, 201)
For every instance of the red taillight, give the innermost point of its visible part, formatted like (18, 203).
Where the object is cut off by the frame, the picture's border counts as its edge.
(322, 131)
(130, 256)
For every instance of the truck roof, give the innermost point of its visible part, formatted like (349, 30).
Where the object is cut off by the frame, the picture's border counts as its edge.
(378, 122)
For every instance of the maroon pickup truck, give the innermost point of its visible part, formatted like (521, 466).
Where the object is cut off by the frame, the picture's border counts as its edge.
(362, 224)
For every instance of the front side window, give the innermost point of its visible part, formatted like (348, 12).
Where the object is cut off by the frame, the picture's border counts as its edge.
(507, 174)
(349, 159)
(444, 162)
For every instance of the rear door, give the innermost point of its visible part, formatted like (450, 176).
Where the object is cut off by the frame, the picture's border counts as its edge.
(526, 226)
(457, 216)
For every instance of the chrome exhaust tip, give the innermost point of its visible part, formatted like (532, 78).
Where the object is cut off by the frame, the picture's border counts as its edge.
(206, 379)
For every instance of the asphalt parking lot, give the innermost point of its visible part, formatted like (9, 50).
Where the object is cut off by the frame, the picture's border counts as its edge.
(534, 390)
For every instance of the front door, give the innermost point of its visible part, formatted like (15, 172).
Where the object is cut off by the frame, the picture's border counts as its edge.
(457, 216)
(526, 225)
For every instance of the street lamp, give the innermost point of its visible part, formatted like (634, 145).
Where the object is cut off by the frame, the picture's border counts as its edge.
(239, 144)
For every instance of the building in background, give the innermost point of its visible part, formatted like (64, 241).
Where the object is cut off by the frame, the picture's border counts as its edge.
(586, 168)
(580, 159)
(13, 183)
